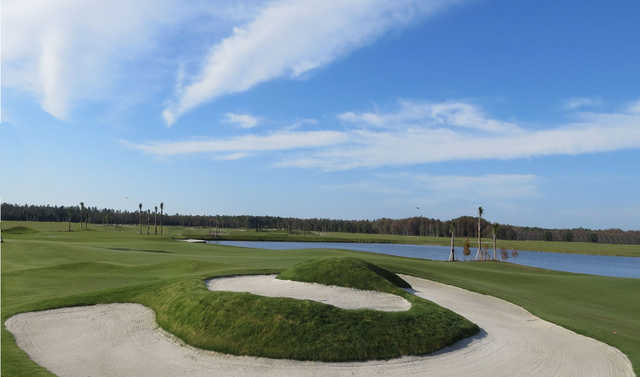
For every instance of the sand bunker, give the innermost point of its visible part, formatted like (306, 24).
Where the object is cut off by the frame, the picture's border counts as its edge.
(345, 298)
(124, 340)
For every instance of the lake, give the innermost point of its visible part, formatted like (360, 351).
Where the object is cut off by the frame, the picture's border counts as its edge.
(628, 267)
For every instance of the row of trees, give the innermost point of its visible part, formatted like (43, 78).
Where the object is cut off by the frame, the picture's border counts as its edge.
(142, 222)
(465, 226)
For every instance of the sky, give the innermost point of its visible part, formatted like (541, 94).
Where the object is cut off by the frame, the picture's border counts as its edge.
(354, 109)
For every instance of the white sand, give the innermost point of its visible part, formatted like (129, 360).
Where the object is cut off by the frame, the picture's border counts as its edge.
(345, 298)
(124, 340)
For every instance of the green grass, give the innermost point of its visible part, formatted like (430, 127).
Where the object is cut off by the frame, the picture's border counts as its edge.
(54, 268)
(246, 324)
(19, 230)
(345, 272)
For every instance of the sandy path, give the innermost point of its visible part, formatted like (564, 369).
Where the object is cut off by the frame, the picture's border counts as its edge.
(345, 298)
(124, 340)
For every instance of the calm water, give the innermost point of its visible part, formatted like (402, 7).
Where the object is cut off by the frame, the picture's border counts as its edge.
(587, 264)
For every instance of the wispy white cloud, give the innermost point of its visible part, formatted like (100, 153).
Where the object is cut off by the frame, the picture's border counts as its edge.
(301, 123)
(634, 107)
(415, 144)
(291, 37)
(425, 140)
(242, 120)
(64, 52)
(239, 146)
(233, 156)
(425, 114)
(581, 102)
(74, 51)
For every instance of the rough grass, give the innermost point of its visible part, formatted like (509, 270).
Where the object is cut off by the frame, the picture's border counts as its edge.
(54, 268)
(246, 324)
(345, 272)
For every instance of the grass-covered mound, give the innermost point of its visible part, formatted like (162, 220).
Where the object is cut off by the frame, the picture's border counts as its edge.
(345, 272)
(19, 230)
(246, 324)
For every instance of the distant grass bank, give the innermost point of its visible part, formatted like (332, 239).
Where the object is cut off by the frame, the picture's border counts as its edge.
(281, 236)
(53, 268)
(545, 246)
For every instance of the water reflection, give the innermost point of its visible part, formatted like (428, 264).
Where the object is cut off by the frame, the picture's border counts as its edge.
(587, 264)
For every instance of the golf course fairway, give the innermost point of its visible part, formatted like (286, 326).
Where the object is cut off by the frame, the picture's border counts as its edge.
(50, 269)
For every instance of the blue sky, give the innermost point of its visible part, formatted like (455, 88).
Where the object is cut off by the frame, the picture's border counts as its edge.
(353, 109)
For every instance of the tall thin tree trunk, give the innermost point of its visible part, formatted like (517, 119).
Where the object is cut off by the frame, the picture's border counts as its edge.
(452, 256)
(479, 253)
(479, 240)
(494, 245)
(155, 221)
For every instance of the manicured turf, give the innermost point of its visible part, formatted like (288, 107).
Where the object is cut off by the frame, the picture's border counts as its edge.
(52, 268)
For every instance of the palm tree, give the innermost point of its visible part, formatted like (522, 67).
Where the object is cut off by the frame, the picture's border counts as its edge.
(140, 217)
(161, 209)
(452, 231)
(155, 220)
(148, 219)
(494, 231)
(479, 252)
(81, 214)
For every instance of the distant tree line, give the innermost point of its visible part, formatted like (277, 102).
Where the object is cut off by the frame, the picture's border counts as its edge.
(466, 226)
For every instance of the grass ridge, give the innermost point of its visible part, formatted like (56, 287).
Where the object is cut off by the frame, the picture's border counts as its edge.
(345, 272)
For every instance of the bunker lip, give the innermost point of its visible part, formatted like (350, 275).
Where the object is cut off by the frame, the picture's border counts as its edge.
(124, 340)
(341, 297)
(193, 240)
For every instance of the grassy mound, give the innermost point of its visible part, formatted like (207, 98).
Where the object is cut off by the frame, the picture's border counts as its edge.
(345, 272)
(246, 324)
(19, 230)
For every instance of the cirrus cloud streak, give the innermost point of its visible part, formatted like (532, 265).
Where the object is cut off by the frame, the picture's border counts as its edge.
(290, 38)
(424, 141)
(239, 146)
(241, 120)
